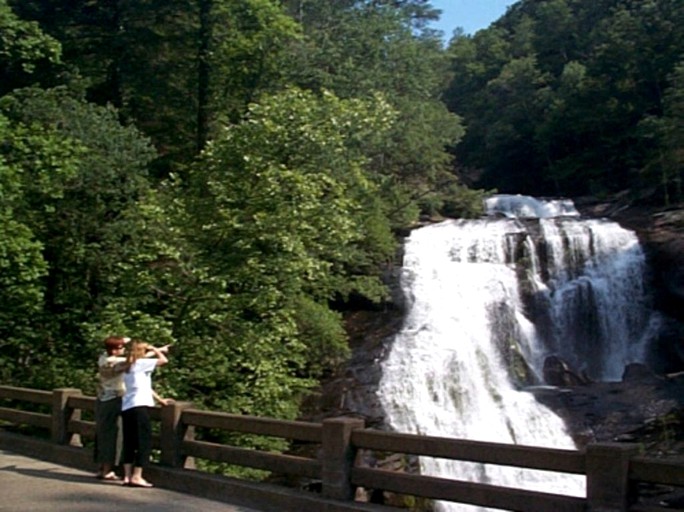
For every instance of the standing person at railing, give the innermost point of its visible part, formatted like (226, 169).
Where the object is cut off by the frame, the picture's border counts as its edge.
(137, 400)
(110, 390)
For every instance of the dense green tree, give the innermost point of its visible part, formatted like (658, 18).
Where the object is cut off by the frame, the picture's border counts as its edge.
(664, 167)
(242, 47)
(604, 65)
(26, 52)
(273, 222)
(33, 166)
(375, 46)
(474, 62)
(673, 173)
(174, 67)
(79, 172)
(140, 57)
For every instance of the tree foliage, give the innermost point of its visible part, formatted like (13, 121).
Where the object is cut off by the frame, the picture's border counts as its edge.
(230, 176)
(268, 200)
(70, 170)
(276, 210)
(26, 52)
(375, 47)
(579, 116)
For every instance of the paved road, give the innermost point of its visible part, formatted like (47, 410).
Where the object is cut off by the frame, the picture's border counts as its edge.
(29, 485)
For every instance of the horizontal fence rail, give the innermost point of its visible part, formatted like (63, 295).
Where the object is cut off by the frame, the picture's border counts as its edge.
(26, 395)
(612, 470)
(278, 463)
(483, 495)
(530, 457)
(656, 471)
(296, 430)
(31, 396)
(25, 418)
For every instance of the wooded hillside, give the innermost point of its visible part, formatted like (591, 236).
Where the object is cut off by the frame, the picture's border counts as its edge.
(229, 176)
(574, 97)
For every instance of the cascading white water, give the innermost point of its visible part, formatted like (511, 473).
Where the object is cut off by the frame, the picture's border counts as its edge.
(481, 296)
(595, 292)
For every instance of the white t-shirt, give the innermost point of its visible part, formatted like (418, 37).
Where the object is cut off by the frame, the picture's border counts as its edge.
(138, 381)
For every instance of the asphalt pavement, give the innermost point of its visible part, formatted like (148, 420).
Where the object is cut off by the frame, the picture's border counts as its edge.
(30, 485)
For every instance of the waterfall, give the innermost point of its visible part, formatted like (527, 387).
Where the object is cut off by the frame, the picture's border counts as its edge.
(487, 301)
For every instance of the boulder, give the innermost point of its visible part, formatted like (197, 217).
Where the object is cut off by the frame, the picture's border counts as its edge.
(557, 372)
(636, 372)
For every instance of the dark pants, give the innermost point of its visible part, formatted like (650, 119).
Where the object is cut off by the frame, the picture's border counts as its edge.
(137, 436)
(107, 415)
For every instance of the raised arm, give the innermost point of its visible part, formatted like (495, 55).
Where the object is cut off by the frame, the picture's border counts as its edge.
(150, 352)
(161, 356)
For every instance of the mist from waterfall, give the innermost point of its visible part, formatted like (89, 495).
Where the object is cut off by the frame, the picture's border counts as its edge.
(487, 301)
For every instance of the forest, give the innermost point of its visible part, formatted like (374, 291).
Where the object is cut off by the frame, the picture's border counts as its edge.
(233, 176)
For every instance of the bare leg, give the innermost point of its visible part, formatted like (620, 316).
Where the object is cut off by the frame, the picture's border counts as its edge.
(128, 471)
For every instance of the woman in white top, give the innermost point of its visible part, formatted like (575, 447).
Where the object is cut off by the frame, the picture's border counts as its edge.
(138, 398)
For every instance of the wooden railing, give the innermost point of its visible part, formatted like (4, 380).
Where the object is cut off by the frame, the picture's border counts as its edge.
(612, 470)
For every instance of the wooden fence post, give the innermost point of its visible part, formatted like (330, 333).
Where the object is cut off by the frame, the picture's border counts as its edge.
(338, 457)
(173, 433)
(608, 486)
(62, 414)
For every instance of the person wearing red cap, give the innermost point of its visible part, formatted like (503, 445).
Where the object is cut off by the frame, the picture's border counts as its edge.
(110, 390)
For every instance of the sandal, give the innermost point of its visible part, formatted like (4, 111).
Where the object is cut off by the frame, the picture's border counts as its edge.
(144, 484)
(111, 476)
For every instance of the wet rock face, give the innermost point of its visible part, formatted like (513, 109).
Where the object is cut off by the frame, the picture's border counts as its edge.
(558, 373)
(352, 390)
(643, 407)
(663, 238)
(662, 233)
(636, 372)
(666, 251)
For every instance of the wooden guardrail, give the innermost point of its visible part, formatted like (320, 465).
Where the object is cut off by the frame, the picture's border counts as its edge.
(612, 470)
